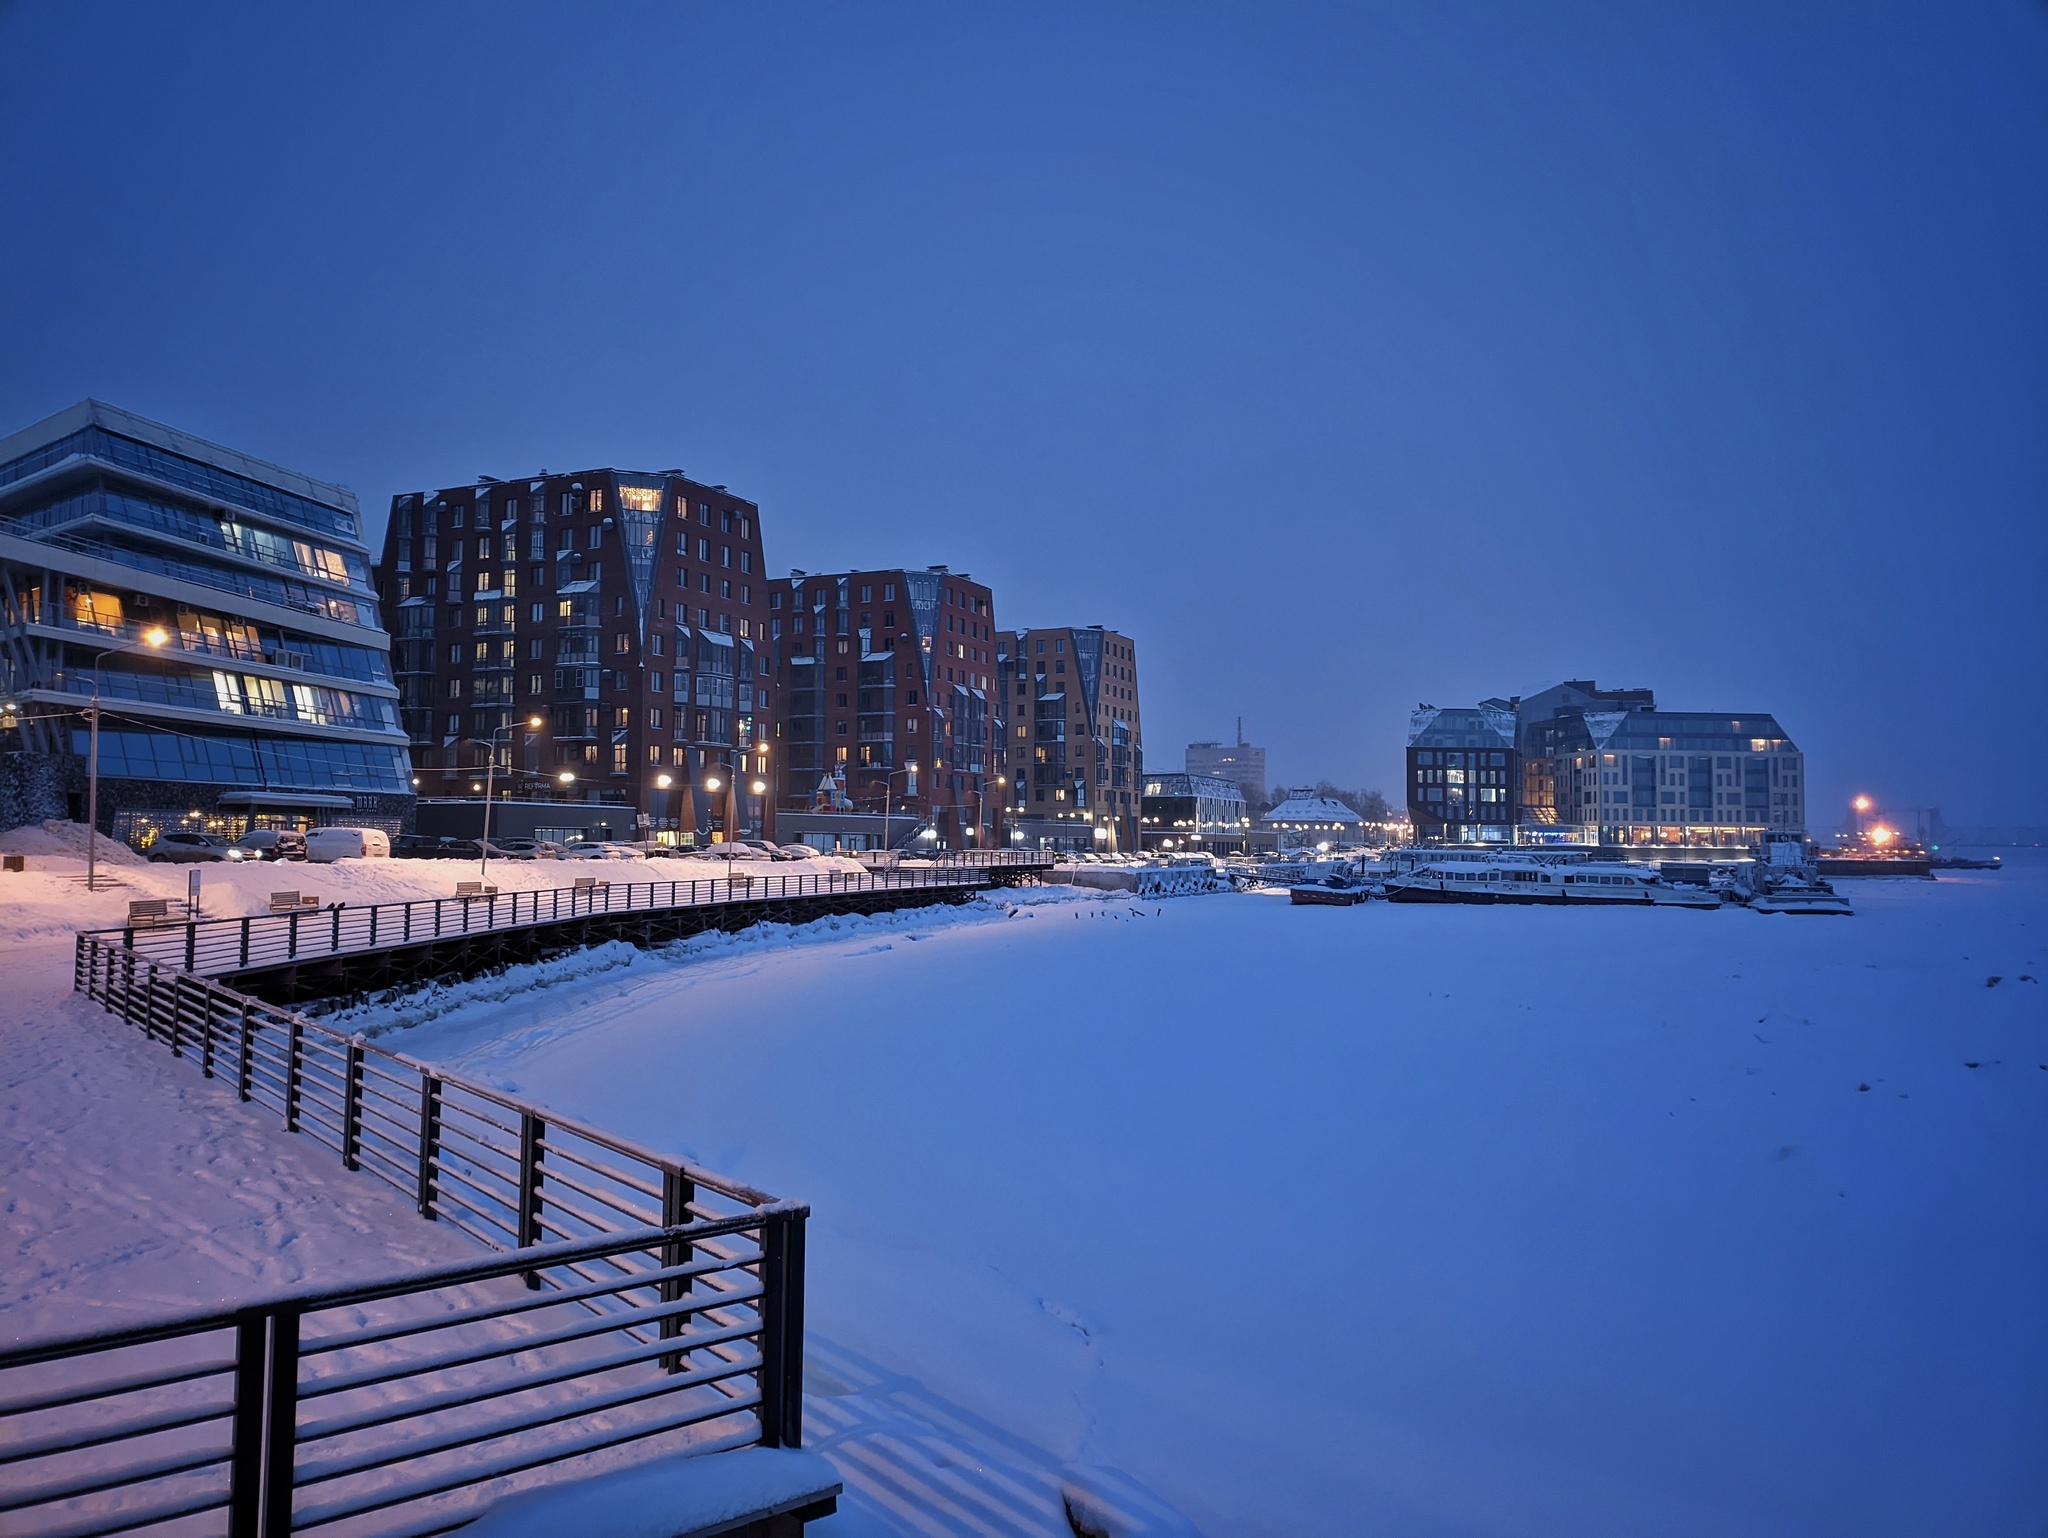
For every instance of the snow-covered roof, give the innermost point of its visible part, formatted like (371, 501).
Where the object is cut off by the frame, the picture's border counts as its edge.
(1310, 809)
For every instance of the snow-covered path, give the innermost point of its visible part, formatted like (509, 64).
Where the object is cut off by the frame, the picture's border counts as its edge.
(1392, 1220)
(134, 1187)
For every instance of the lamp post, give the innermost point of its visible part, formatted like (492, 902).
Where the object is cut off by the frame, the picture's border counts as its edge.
(490, 779)
(888, 794)
(153, 637)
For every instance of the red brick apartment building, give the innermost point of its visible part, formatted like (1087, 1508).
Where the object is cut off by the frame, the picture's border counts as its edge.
(1075, 744)
(887, 712)
(627, 612)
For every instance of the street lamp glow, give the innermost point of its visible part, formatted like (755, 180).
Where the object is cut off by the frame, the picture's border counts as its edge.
(535, 722)
(156, 635)
(1881, 836)
(566, 778)
(662, 782)
(1862, 803)
(476, 784)
(759, 787)
(712, 782)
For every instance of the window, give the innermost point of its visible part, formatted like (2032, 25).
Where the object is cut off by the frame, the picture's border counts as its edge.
(746, 560)
(725, 556)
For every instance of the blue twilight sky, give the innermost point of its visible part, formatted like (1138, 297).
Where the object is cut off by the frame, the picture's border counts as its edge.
(1346, 357)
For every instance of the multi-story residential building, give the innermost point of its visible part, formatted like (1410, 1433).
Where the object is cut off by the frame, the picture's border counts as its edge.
(1579, 764)
(626, 612)
(1196, 812)
(1074, 749)
(1240, 763)
(222, 607)
(1462, 773)
(891, 720)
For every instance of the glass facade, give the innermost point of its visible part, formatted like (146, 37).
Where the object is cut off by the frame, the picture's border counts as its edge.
(223, 609)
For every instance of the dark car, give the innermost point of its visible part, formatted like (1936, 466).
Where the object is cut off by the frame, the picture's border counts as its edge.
(415, 846)
(192, 849)
(272, 844)
(458, 849)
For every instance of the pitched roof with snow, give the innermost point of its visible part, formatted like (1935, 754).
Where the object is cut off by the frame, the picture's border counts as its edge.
(1310, 809)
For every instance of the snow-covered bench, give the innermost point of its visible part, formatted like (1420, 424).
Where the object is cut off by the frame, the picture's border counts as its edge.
(474, 889)
(148, 912)
(751, 1492)
(291, 902)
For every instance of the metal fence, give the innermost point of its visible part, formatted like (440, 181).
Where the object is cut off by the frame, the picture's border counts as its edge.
(646, 1297)
(276, 939)
(387, 1408)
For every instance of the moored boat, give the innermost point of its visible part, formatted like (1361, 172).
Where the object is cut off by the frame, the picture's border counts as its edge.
(1524, 881)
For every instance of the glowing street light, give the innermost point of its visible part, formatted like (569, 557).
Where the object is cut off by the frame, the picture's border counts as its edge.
(153, 637)
(1881, 836)
(566, 777)
(662, 782)
(1861, 803)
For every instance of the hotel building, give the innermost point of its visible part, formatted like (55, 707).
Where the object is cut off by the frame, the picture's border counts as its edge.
(1074, 749)
(223, 608)
(625, 612)
(1579, 764)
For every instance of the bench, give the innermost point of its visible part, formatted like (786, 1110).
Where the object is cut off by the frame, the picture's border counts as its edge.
(148, 912)
(292, 902)
(589, 883)
(474, 889)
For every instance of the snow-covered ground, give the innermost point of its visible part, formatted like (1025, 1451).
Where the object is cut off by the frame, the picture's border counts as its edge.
(1401, 1220)
(1390, 1220)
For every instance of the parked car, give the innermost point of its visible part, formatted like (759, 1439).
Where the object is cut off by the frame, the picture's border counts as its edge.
(798, 852)
(192, 849)
(457, 849)
(326, 845)
(272, 844)
(415, 846)
(520, 849)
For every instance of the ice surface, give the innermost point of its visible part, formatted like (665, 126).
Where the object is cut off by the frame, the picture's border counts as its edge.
(1401, 1220)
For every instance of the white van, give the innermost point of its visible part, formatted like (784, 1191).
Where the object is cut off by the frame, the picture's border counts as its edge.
(326, 845)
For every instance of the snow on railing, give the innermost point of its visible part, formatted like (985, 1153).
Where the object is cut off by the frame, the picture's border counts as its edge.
(388, 1405)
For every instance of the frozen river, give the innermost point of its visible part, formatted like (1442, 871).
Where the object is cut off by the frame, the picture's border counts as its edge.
(1381, 1220)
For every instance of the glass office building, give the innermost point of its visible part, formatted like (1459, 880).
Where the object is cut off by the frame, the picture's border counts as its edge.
(224, 609)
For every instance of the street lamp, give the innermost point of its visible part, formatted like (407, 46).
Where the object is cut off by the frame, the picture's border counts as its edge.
(153, 637)
(888, 791)
(490, 779)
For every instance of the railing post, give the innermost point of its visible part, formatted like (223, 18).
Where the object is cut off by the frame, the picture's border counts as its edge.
(191, 943)
(782, 1329)
(281, 1422)
(245, 940)
(292, 952)
(677, 1192)
(245, 1063)
(294, 1058)
(532, 1135)
(334, 943)
(352, 1106)
(206, 1031)
(430, 1141)
(245, 1465)
(177, 1021)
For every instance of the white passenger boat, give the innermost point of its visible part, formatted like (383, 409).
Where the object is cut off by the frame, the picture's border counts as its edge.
(1524, 881)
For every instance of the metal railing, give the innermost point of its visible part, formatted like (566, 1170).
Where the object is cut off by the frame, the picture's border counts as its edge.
(695, 1282)
(213, 946)
(381, 1408)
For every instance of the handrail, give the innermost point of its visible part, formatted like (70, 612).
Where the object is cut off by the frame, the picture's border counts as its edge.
(265, 939)
(688, 1320)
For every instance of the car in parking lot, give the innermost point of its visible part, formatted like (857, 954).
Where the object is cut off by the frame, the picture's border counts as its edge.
(520, 849)
(192, 849)
(272, 844)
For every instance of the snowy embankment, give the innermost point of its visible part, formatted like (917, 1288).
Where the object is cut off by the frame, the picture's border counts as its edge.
(1402, 1220)
(49, 898)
